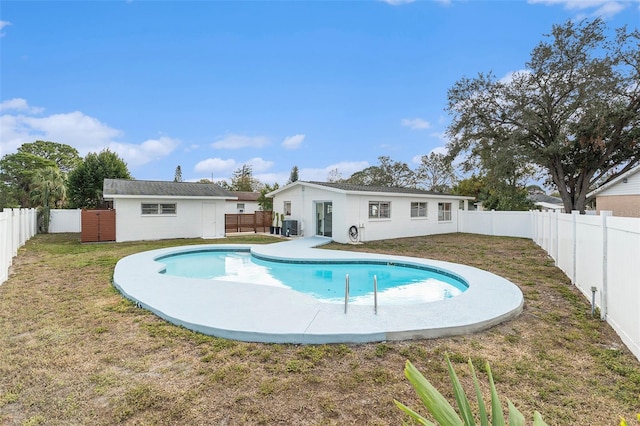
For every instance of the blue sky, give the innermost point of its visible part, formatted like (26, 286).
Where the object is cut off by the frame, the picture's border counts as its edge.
(211, 86)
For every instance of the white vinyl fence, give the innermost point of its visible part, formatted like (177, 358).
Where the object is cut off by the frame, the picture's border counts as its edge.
(16, 227)
(598, 253)
(65, 220)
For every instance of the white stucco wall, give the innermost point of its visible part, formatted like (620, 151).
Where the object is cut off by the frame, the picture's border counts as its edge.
(353, 209)
(194, 218)
(231, 206)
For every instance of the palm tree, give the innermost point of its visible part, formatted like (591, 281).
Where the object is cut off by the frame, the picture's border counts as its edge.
(48, 189)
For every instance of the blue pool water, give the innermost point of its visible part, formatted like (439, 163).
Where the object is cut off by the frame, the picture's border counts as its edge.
(397, 284)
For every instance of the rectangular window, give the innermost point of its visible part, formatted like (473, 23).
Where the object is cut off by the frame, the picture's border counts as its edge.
(168, 208)
(379, 209)
(418, 209)
(155, 208)
(240, 207)
(287, 208)
(444, 212)
(149, 208)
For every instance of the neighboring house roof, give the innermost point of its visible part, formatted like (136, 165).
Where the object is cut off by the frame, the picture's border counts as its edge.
(615, 181)
(351, 189)
(246, 195)
(122, 188)
(545, 199)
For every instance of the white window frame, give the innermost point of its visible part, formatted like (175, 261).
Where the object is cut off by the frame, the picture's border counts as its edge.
(287, 208)
(379, 209)
(158, 209)
(444, 213)
(240, 207)
(419, 209)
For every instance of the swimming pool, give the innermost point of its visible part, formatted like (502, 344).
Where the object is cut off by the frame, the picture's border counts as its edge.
(254, 312)
(397, 283)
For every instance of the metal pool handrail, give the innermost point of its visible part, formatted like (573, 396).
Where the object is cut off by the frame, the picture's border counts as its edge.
(375, 294)
(346, 293)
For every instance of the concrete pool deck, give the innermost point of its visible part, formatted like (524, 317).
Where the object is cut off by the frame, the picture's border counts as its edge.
(260, 313)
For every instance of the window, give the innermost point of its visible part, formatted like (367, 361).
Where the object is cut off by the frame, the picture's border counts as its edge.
(379, 209)
(240, 207)
(154, 208)
(444, 212)
(287, 208)
(418, 209)
(168, 208)
(149, 208)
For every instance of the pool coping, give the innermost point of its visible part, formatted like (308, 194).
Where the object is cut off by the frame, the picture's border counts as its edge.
(260, 313)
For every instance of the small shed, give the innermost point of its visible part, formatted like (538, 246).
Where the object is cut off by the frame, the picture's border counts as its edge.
(155, 210)
(620, 195)
(357, 213)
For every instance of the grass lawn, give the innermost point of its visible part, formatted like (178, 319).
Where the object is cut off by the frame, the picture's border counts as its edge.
(74, 351)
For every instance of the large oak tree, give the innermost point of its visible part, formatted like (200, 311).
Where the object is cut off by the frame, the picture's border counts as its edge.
(574, 111)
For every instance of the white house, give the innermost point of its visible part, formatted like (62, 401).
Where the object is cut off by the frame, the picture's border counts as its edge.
(247, 202)
(347, 212)
(621, 195)
(154, 210)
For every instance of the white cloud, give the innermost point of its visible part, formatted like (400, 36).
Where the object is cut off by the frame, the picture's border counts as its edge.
(415, 123)
(293, 142)
(603, 8)
(510, 76)
(149, 150)
(2, 25)
(217, 165)
(240, 141)
(19, 104)
(83, 132)
(345, 168)
(259, 165)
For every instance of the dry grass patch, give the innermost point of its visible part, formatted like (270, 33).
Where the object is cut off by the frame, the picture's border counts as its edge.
(73, 351)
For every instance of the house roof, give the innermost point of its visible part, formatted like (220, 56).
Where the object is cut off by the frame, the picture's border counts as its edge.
(246, 195)
(615, 181)
(351, 188)
(146, 188)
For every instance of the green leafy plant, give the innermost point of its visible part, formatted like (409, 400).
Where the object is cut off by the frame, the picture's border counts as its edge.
(446, 415)
(623, 422)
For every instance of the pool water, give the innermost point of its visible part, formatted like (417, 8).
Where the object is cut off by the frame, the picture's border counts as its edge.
(397, 284)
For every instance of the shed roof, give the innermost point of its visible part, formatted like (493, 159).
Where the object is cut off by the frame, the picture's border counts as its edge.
(145, 188)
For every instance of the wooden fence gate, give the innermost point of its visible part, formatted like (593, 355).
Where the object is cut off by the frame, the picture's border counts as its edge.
(98, 225)
(247, 222)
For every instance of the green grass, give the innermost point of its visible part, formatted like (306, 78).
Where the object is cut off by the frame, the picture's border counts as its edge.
(74, 351)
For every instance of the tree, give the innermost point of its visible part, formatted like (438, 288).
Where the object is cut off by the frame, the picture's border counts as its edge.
(436, 173)
(66, 157)
(16, 174)
(387, 174)
(86, 180)
(266, 203)
(178, 174)
(294, 175)
(575, 112)
(334, 176)
(243, 180)
(48, 188)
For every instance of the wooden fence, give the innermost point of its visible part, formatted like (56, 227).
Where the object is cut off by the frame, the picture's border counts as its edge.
(98, 225)
(259, 221)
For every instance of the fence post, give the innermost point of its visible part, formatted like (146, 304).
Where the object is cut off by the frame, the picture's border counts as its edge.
(605, 261)
(574, 226)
